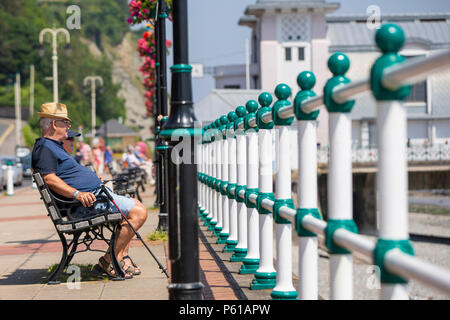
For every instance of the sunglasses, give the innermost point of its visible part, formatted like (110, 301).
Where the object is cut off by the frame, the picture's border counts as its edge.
(66, 122)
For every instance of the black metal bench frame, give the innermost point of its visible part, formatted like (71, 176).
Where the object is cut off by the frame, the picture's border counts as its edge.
(129, 181)
(84, 231)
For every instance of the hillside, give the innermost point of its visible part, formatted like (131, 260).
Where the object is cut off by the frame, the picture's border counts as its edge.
(103, 46)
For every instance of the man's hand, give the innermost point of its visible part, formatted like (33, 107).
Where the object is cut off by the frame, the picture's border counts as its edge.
(86, 198)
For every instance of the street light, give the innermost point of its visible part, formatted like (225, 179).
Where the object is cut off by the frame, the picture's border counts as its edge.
(54, 32)
(183, 222)
(92, 79)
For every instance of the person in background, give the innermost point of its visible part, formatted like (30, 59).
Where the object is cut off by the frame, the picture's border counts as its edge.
(78, 156)
(131, 158)
(108, 158)
(98, 158)
(86, 154)
(142, 148)
(68, 143)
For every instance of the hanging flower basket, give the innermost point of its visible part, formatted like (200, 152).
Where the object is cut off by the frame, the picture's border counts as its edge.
(144, 10)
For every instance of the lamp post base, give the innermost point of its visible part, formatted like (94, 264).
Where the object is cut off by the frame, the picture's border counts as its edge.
(185, 291)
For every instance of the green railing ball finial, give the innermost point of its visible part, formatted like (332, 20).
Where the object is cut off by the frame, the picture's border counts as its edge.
(306, 81)
(389, 38)
(265, 99)
(241, 111)
(232, 116)
(251, 106)
(223, 125)
(338, 63)
(224, 119)
(282, 91)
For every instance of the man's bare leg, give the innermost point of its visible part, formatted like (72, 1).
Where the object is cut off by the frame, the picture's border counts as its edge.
(137, 217)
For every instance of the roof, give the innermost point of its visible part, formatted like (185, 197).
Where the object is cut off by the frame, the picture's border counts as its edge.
(263, 6)
(350, 33)
(114, 128)
(222, 101)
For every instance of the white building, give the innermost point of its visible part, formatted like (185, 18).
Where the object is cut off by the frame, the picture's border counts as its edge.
(290, 36)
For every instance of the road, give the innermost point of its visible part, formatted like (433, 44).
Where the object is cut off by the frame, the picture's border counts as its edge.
(8, 136)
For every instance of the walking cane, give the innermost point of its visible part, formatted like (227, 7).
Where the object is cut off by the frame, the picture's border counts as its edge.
(134, 230)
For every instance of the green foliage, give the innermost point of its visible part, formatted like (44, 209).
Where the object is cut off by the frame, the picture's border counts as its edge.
(103, 23)
(88, 272)
(29, 135)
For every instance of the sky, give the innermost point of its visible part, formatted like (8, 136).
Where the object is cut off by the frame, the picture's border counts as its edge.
(215, 38)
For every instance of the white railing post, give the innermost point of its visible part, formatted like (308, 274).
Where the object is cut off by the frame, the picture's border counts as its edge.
(251, 260)
(219, 164)
(265, 275)
(340, 207)
(200, 172)
(308, 281)
(392, 177)
(204, 176)
(240, 251)
(213, 222)
(231, 242)
(208, 191)
(284, 288)
(223, 186)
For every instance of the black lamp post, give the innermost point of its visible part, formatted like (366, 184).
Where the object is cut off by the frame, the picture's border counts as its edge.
(157, 112)
(183, 216)
(161, 94)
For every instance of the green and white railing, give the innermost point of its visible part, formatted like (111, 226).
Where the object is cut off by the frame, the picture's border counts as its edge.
(236, 180)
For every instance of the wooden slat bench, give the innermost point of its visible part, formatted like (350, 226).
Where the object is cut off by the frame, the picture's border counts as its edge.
(83, 231)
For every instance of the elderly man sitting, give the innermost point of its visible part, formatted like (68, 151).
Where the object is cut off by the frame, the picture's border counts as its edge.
(69, 179)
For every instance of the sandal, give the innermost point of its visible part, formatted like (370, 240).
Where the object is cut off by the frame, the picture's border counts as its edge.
(134, 269)
(108, 268)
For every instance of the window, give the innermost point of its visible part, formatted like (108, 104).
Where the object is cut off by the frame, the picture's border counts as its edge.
(254, 47)
(418, 90)
(288, 54)
(231, 86)
(301, 54)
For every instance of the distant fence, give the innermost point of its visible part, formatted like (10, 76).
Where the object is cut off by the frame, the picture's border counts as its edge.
(439, 152)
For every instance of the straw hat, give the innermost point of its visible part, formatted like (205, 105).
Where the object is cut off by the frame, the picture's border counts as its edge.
(54, 110)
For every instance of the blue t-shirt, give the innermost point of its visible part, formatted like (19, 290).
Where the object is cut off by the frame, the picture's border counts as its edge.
(49, 156)
(108, 156)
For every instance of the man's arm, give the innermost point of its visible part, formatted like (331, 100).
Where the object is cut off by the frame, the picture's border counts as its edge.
(57, 185)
